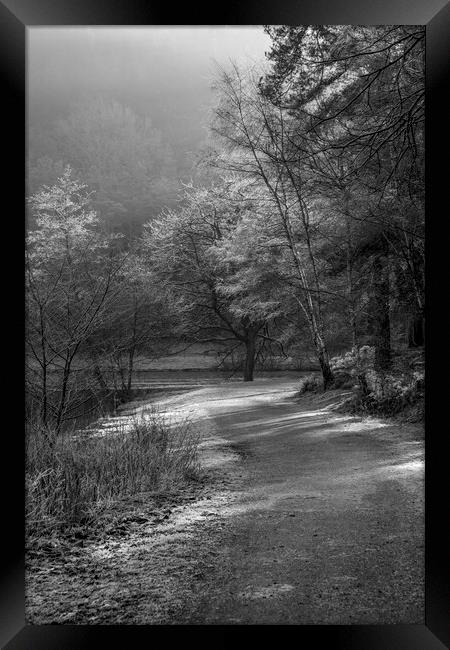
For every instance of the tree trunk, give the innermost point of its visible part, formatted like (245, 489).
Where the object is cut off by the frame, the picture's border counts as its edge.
(63, 398)
(44, 368)
(250, 349)
(132, 349)
(99, 377)
(322, 354)
(381, 320)
(324, 362)
(351, 300)
(44, 394)
(120, 371)
(130, 369)
(416, 337)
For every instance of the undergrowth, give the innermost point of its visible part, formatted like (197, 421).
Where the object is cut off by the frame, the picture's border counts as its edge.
(388, 393)
(380, 393)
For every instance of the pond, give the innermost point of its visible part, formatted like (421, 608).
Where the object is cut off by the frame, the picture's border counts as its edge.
(152, 385)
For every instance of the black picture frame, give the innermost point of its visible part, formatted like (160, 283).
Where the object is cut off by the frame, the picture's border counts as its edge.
(15, 17)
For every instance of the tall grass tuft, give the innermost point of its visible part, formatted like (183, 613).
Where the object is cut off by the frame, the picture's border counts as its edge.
(310, 383)
(71, 478)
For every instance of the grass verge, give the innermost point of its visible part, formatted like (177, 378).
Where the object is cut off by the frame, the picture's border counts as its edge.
(74, 479)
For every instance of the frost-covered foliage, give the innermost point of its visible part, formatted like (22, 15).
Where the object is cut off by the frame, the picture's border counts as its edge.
(379, 392)
(382, 393)
(355, 361)
(387, 393)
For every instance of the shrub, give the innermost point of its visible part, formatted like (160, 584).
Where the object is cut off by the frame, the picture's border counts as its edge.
(343, 380)
(310, 383)
(70, 479)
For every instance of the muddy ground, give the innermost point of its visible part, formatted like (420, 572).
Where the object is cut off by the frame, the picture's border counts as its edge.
(303, 515)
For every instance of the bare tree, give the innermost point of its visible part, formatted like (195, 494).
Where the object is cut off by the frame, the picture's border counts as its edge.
(71, 272)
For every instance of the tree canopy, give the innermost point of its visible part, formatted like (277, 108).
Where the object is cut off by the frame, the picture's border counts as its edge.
(303, 228)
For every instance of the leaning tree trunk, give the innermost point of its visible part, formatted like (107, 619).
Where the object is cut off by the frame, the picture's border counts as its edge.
(324, 362)
(320, 347)
(381, 319)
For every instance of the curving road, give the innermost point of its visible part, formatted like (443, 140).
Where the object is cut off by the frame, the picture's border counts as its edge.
(304, 516)
(326, 518)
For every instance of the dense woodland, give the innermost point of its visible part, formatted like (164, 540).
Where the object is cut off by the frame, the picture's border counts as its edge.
(299, 227)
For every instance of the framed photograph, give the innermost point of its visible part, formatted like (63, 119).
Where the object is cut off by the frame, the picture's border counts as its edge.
(231, 404)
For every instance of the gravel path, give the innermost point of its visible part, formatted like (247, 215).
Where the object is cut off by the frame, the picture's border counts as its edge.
(330, 525)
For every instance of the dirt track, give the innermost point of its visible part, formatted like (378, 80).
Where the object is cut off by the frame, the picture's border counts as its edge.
(329, 528)
(312, 518)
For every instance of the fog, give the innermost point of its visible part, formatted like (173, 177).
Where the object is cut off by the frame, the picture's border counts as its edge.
(165, 73)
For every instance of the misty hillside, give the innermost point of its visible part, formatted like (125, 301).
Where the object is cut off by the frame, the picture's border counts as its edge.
(129, 80)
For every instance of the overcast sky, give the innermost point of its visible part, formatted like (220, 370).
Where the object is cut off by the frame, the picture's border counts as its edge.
(163, 72)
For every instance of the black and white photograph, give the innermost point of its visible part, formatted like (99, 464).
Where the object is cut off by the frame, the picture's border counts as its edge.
(225, 325)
